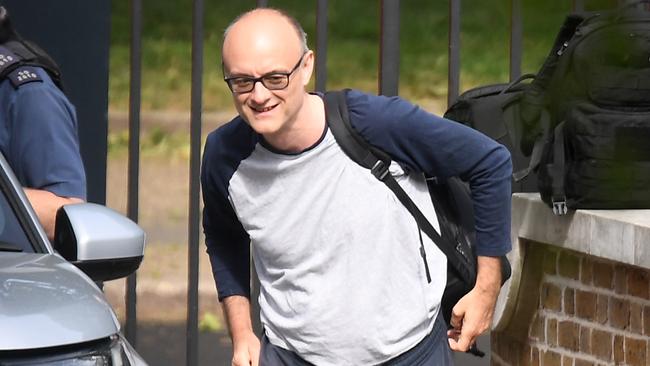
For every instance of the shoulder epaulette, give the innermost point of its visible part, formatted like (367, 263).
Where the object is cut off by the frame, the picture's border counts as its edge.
(23, 75)
(7, 59)
(18, 60)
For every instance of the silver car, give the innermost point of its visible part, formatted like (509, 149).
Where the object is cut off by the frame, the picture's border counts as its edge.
(51, 310)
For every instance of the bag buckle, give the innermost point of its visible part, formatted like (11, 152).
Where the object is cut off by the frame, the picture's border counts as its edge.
(380, 170)
(559, 206)
(460, 249)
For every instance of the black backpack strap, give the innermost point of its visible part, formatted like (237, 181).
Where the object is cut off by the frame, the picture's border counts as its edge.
(361, 152)
(459, 261)
(558, 197)
(355, 146)
(538, 148)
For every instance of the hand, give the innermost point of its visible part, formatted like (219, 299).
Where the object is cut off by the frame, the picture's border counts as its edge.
(246, 350)
(472, 315)
(45, 205)
(470, 318)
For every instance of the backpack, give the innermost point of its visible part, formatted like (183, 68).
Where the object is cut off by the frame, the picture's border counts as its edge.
(451, 199)
(512, 113)
(596, 152)
(494, 110)
(16, 52)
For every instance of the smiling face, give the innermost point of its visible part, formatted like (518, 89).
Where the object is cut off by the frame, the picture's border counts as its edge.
(261, 43)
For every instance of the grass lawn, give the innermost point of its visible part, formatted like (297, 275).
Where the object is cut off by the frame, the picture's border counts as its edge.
(353, 47)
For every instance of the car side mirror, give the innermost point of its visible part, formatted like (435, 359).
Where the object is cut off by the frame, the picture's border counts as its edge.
(101, 242)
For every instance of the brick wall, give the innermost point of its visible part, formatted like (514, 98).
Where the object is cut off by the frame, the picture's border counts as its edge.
(589, 312)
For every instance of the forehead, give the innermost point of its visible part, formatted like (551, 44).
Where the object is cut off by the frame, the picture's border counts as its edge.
(259, 43)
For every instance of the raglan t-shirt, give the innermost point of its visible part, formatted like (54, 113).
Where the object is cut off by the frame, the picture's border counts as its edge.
(342, 278)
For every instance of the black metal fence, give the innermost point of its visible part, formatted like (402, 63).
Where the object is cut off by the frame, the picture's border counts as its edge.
(388, 76)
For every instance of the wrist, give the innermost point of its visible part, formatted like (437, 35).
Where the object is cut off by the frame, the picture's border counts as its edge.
(242, 338)
(488, 277)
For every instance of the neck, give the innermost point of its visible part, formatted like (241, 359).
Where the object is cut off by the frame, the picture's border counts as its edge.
(305, 129)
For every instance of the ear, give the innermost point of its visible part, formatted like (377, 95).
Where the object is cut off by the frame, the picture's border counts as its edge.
(308, 67)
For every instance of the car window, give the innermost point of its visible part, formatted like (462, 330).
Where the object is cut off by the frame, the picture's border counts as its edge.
(12, 235)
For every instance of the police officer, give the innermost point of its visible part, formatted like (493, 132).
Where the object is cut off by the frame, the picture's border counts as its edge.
(38, 127)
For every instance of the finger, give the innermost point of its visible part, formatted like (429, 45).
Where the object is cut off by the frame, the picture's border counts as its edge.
(460, 344)
(453, 344)
(456, 320)
(239, 360)
(453, 334)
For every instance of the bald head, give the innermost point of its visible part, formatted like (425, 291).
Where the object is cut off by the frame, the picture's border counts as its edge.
(267, 66)
(264, 27)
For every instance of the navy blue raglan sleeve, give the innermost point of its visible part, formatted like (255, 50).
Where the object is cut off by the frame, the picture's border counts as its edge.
(43, 148)
(228, 244)
(423, 142)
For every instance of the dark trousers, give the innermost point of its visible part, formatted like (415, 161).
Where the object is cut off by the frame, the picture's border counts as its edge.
(433, 350)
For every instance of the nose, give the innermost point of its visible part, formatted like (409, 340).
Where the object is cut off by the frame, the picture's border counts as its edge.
(260, 94)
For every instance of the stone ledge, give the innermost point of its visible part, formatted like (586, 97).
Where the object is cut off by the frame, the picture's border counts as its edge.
(618, 235)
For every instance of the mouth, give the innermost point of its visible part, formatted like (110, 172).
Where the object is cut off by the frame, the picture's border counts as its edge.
(263, 109)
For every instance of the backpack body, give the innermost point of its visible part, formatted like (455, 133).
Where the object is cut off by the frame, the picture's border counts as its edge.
(513, 113)
(597, 152)
(494, 110)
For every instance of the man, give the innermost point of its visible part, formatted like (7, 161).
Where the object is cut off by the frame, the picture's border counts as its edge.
(38, 132)
(342, 279)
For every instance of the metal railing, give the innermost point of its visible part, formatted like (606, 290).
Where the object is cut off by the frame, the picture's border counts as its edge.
(135, 83)
(388, 76)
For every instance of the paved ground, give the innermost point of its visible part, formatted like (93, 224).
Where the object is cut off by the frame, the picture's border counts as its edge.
(214, 349)
(164, 344)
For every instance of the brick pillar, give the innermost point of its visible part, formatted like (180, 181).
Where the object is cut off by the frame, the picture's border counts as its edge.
(589, 311)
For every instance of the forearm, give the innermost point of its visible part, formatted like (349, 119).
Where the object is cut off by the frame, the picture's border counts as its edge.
(245, 344)
(237, 310)
(45, 205)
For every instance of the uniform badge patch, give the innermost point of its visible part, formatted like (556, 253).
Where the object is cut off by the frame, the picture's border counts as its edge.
(7, 58)
(23, 75)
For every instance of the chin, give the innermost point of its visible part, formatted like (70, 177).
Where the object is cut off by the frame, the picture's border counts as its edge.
(264, 126)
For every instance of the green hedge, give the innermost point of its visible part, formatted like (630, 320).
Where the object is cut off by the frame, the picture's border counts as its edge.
(352, 50)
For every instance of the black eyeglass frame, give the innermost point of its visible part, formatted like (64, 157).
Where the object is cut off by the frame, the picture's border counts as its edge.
(286, 75)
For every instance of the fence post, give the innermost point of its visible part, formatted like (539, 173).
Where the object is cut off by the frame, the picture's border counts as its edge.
(578, 5)
(453, 81)
(192, 348)
(134, 156)
(321, 45)
(255, 282)
(516, 34)
(389, 48)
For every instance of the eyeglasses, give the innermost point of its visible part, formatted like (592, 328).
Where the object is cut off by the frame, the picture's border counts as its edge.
(271, 81)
